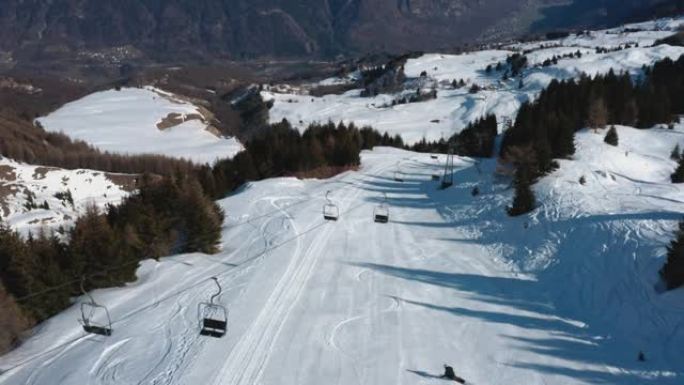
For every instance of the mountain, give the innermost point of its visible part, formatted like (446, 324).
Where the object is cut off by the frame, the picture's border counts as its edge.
(593, 13)
(117, 30)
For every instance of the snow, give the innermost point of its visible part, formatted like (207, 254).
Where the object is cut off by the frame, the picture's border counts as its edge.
(644, 34)
(564, 296)
(568, 295)
(453, 109)
(88, 189)
(450, 67)
(126, 121)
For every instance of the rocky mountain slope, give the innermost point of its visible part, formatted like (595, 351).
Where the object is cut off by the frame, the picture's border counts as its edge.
(120, 30)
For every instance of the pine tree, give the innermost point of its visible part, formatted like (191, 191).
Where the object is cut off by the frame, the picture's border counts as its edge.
(678, 175)
(93, 247)
(611, 136)
(673, 270)
(676, 153)
(524, 200)
(202, 220)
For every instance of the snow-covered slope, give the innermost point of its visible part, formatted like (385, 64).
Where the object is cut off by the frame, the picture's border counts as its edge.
(453, 109)
(142, 121)
(564, 296)
(48, 187)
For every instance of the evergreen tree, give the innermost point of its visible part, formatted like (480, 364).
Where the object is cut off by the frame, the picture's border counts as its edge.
(676, 153)
(673, 270)
(524, 200)
(611, 136)
(93, 247)
(202, 220)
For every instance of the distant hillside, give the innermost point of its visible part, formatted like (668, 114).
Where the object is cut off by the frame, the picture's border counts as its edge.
(116, 31)
(601, 13)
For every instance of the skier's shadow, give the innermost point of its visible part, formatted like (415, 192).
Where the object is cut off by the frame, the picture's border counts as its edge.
(426, 374)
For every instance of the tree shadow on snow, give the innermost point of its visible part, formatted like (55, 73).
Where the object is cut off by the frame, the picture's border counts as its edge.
(569, 341)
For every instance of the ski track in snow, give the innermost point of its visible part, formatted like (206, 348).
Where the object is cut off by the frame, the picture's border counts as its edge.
(563, 296)
(245, 364)
(391, 304)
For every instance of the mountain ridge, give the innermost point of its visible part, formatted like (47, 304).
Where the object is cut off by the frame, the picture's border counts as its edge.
(168, 30)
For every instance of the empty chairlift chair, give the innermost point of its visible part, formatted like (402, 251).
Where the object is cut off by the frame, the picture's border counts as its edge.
(381, 212)
(213, 318)
(436, 176)
(398, 175)
(91, 312)
(330, 210)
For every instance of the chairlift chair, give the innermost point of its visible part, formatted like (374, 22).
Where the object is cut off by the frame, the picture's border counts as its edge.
(434, 156)
(398, 177)
(90, 311)
(397, 174)
(330, 210)
(436, 177)
(213, 318)
(381, 212)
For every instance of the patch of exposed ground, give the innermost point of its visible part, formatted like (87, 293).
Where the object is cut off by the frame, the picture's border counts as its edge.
(324, 172)
(128, 183)
(40, 172)
(7, 173)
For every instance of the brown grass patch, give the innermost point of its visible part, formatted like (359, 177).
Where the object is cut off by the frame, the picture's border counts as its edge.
(5, 192)
(324, 172)
(127, 182)
(7, 173)
(40, 172)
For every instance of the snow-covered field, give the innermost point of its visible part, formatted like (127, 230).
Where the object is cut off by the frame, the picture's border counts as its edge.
(454, 109)
(126, 122)
(87, 188)
(564, 296)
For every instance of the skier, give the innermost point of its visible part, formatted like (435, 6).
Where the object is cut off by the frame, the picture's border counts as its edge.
(449, 374)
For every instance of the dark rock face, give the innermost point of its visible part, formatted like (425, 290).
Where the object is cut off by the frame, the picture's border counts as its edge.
(236, 29)
(239, 28)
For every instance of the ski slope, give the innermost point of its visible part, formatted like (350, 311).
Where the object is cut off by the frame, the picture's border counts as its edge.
(454, 109)
(128, 122)
(564, 296)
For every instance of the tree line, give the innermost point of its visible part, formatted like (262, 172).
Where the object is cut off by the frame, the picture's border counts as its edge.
(282, 150)
(166, 216)
(23, 141)
(476, 140)
(549, 123)
(544, 129)
(169, 214)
